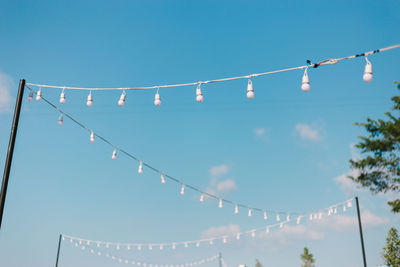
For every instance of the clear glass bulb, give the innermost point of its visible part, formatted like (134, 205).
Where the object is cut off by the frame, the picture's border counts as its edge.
(367, 71)
(202, 198)
(265, 215)
(60, 120)
(30, 96)
(92, 137)
(250, 90)
(199, 94)
(62, 98)
(140, 168)
(89, 101)
(236, 209)
(114, 154)
(253, 234)
(305, 85)
(250, 212)
(39, 95)
(220, 204)
(183, 189)
(157, 99)
(162, 179)
(278, 218)
(121, 100)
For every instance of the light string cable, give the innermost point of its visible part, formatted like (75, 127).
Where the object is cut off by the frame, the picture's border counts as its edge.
(295, 220)
(163, 175)
(145, 263)
(199, 97)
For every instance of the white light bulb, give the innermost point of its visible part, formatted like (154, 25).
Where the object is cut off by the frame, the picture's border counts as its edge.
(320, 216)
(267, 230)
(238, 236)
(220, 203)
(89, 101)
(224, 240)
(60, 120)
(186, 245)
(298, 220)
(211, 242)
(92, 137)
(114, 154)
(173, 246)
(236, 209)
(62, 97)
(349, 204)
(265, 215)
(202, 198)
(344, 208)
(250, 212)
(197, 244)
(253, 234)
(278, 218)
(281, 225)
(150, 247)
(250, 90)
(118, 247)
(288, 217)
(30, 96)
(183, 189)
(305, 85)
(39, 95)
(161, 247)
(121, 100)
(157, 99)
(162, 179)
(199, 94)
(140, 168)
(367, 71)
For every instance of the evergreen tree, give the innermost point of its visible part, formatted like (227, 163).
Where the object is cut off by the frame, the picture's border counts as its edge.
(379, 169)
(307, 258)
(258, 263)
(391, 252)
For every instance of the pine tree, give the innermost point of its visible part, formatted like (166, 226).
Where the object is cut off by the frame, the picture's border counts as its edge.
(307, 258)
(391, 252)
(258, 263)
(379, 170)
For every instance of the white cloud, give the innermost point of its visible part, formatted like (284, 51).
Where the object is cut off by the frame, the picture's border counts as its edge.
(226, 186)
(219, 170)
(348, 186)
(6, 83)
(216, 231)
(259, 131)
(307, 132)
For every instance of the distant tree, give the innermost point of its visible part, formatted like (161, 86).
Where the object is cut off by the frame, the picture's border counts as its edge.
(379, 169)
(391, 252)
(307, 258)
(258, 263)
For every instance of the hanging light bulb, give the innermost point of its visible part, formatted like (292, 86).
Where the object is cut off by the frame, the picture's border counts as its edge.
(211, 241)
(39, 94)
(253, 234)
(305, 85)
(344, 208)
(199, 94)
(117, 247)
(62, 97)
(267, 229)
(250, 90)
(265, 215)
(157, 99)
(183, 189)
(224, 240)
(220, 203)
(60, 120)
(281, 225)
(140, 168)
(128, 247)
(250, 212)
(173, 246)
(114, 154)
(288, 217)
(349, 204)
(320, 216)
(186, 245)
(367, 71)
(197, 244)
(202, 198)
(298, 220)
(162, 179)
(150, 247)
(161, 247)
(238, 236)
(121, 100)
(89, 101)
(236, 209)
(278, 218)
(30, 96)
(91, 136)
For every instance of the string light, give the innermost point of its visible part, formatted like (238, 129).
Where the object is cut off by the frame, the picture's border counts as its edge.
(39, 95)
(265, 215)
(278, 218)
(92, 137)
(60, 120)
(89, 101)
(281, 225)
(236, 209)
(157, 99)
(344, 208)
(298, 220)
(121, 100)
(183, 189)
(140, 168)
(305, 85)
(367, 71)
(288, 217)
(349, 204)
(267, 229)
(30, 96)
(238, 236)
(162, 179)
(220, 204)
(199, 94)
(253, 234)
(114, 154)
(202, 198)
(250, 90)
(250, 212)
(62, 97)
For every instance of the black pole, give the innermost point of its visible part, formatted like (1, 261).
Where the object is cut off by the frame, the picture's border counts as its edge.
(11, 144)
(361, 232)
(58, 250)
(220, 259)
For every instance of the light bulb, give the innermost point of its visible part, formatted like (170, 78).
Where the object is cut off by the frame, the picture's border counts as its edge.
(92, 137)
(186, 245)
(121, 100)
(114, 154)
(157, 99)
(140, 168)
(250, 90)
(250, 212)
(349, 204)
(288, 217)
(211, 242)
(238, 236)
(267, 230)
(220, 203)
(202, 198)
(128, 247)
(183, 189)
(162, 179)
(89, 101)
(367, 71)
(173, 246)
(305, 85)
(298, 220)
(30, 96)
(199, 94)
(39, 95)
(265, 215)
(281, 225)
(320, 216)
(236, 209)
(161, 247)
(344, 208)
(60, 120)
(253, 234)
(224, 240)
(118, 247)
(150, 247)
(62, 97)
(197, 244)
(277, 217)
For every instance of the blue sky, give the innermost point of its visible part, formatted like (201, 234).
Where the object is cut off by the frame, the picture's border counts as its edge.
(283, 150)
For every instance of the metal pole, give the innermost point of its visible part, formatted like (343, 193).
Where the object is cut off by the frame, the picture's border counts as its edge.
(58, 251)
(361, 232)
(220, 259)
(11, 144)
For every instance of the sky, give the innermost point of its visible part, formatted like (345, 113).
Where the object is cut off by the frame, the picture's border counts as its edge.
(284, 150)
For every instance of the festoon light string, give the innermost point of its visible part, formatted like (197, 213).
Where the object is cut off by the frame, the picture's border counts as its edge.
(223, 239)
(163, 175)
(305, 85)
(121, 259)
